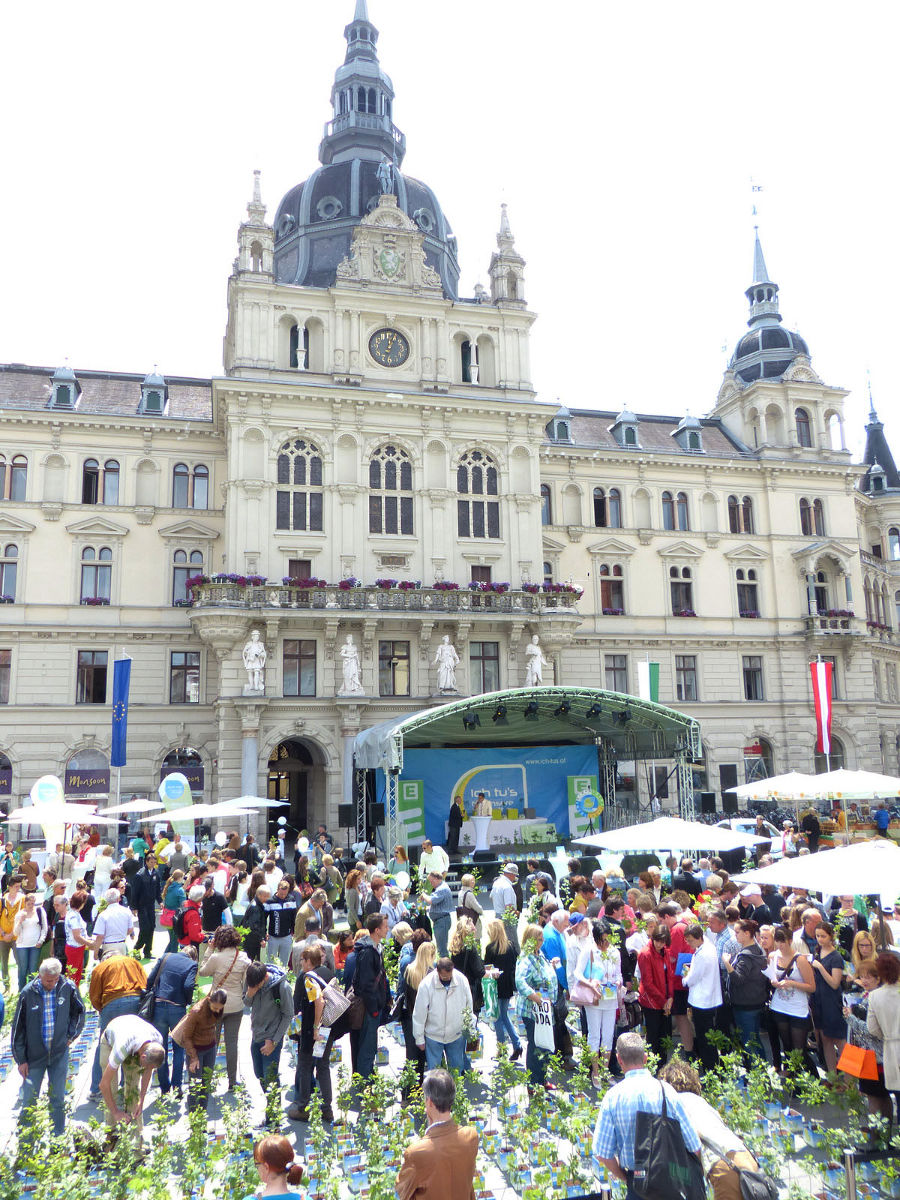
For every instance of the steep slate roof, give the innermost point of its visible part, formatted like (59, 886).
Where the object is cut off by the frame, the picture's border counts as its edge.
(654, 434)
(104, 393)
(878, 450)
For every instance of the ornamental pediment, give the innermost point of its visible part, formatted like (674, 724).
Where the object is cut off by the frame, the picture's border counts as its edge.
(745, 553)
(97, 527)
(680, 550)
(388, 250)
(816, 550)
(612, 546)
(11, 524)
(550, 543)
(188, 530)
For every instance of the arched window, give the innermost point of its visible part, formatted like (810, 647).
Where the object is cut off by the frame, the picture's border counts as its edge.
(90, 481)
(9, 564)
(681, 511)
(546, 505)
(96, 574)
(190, 488)
(885, 606)
(256, 256)
(630, 436)
(299, 498)
(804, 436)
(747, 592)
(818, 517)
(110, 482)
(806, 526)
(614, 508)
(612, 590)
(184, 566)
(668, 511)
(468, 362)
(820, 590)
(894, 543)
(390, 475)
(600, 509)
(548, 572)
(734, 515)
(835, 760)
(897, 607)
(681, 588)
(867, 592)
(476, 477)
(13, 477)
(747, 514)
(187, 762)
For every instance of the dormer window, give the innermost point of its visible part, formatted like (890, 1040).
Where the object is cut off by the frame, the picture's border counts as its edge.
(630, 436)
(65, 389)
(560, 428)
(625, 429)
(154, 395)
(689, 435)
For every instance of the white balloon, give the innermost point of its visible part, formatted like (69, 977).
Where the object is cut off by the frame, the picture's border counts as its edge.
(221, 837)
(402, 880)
(303, 845)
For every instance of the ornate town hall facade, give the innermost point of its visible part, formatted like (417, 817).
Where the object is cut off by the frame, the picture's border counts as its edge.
(373, 425)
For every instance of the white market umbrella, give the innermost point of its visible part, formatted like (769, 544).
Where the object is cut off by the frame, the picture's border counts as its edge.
(251, 802)
(137, 806)
(792, 786)
(670, 833)
(857, 785)
(59, 814)
(863, 869)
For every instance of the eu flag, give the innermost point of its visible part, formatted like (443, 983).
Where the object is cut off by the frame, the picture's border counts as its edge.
(121, 683)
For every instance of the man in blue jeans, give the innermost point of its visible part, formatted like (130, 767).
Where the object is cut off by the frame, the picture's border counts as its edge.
(49, 1016)
(441, 907)
(271, 1003)
(442, 999)
(370, 981)
(172, 981)
(115, 990)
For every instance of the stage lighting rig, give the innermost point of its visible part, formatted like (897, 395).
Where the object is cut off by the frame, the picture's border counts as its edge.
(532, 711)
(624, 716)
(470, 721)
(563, 709)
(499, 717)
(594, 711)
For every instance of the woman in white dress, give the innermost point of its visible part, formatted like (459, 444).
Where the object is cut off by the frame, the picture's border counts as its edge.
(103, 867)
(600, 967)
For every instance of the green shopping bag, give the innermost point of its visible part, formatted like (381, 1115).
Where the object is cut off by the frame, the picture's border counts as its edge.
(491, 1009)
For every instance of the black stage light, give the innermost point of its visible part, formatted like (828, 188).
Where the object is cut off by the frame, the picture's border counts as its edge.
(624, 716)
(563, 709)
(595, 710)
(470, 721)
(532, 712)
(499, 717)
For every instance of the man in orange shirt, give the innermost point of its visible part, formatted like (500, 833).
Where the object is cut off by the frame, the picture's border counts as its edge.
(115, 991)
(441, 1165)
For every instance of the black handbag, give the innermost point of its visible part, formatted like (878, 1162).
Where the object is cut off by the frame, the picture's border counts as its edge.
(664, 1168)
(148, 996)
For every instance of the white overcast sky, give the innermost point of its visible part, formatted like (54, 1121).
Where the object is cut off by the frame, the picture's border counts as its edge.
(622, 136)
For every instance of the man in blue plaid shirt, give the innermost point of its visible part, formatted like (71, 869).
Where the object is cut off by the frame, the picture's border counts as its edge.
(638, 1092)
(49, 1017)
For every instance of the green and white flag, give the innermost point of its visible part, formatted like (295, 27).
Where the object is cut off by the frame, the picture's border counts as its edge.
(648, 681)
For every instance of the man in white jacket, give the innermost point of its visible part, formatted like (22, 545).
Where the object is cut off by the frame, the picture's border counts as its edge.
(443, 997)
(703, 982)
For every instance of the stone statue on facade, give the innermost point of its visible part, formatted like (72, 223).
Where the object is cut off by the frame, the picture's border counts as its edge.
(385, 176)
(446, 660)
(534, 663)
(352, 685)
(254, 656)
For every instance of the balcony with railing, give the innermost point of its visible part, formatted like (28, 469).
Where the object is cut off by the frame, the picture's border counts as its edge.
(834, 622)
(356, 598)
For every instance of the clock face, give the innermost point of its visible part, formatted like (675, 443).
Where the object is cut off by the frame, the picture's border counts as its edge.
(389, 347)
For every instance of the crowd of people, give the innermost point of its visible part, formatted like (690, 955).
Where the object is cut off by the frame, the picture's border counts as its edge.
(673, 955)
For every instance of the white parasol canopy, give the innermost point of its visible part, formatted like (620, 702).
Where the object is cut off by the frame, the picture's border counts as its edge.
(670, 833)
(60, 814)
(137, 806)
(857, 785)
(251, 802)
(863, 869)
(792, 786)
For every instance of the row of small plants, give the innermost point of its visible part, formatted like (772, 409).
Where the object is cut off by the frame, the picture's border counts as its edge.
(403, 585)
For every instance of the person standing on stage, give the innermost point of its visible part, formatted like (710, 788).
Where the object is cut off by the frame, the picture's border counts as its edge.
(455, 824)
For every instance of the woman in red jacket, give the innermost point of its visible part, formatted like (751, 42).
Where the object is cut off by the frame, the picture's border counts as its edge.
(657, 989)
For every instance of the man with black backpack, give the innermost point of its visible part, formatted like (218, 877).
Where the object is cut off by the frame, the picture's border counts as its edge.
(617, 1133)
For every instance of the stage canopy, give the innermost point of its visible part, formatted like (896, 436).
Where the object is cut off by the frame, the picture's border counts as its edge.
(623, 728)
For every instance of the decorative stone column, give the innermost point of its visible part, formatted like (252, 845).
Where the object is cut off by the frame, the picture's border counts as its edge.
(249, 709)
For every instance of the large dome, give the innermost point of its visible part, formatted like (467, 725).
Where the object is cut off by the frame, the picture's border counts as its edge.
(766, 353)
(316, 219)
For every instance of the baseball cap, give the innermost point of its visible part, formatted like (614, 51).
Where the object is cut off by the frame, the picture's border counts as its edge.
(575, 919)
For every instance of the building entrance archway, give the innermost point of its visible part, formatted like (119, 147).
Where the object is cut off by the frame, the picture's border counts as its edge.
(295, 776)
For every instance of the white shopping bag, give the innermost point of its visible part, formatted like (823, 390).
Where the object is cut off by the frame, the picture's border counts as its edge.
(543, 1025)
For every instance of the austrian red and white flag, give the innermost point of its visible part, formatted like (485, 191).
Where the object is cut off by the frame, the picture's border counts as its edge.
(822, 698)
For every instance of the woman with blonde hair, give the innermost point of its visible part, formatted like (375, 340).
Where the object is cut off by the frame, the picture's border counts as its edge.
(227, 963)
(353, 898)
(862, 950)
(410, 982)
(500, 960)
(468, 901)
(103, 867)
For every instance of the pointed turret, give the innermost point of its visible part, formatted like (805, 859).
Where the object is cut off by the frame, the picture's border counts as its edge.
(507, 269)
(363, 99)
(256, 239)
(767, 350)
(877, 455)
